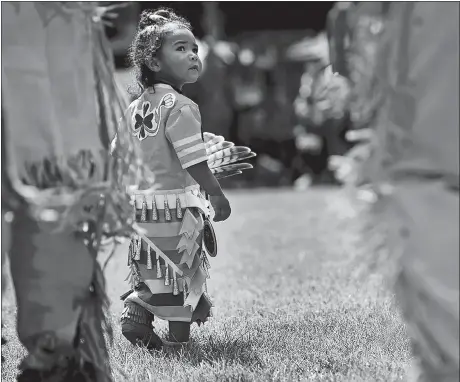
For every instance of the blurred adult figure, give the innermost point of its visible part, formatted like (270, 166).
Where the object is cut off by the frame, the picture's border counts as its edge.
(321, 106)
(405, 77)
(61, 190)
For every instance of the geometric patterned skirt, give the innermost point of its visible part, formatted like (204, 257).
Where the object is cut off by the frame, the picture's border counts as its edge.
(170, 261)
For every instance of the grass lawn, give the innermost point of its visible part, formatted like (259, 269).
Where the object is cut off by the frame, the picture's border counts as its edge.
(293, 301)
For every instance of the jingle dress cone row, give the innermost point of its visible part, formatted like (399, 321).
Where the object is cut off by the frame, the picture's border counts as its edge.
(169, 259)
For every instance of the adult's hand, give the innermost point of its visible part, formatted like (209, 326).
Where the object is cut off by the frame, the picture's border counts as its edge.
(349, 168)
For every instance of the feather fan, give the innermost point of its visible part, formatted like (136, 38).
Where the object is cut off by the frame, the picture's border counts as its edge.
(224, 155)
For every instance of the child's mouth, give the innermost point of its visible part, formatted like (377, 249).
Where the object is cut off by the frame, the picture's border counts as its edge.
(195, 67)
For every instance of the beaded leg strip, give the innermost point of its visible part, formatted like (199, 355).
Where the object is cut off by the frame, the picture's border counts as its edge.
(136, 326)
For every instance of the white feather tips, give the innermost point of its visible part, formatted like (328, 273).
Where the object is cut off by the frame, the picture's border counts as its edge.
(223, 155)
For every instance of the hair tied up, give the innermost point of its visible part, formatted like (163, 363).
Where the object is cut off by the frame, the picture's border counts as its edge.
(163, 13)
(153, 26)
(155, 19)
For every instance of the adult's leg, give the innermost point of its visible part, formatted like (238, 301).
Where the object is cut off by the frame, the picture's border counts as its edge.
(427, 286)
(52, 274)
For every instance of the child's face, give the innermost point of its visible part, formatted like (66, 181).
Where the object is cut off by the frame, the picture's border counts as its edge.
(177, 59)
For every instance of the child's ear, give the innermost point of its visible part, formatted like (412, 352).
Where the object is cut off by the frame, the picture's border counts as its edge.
(154, 64)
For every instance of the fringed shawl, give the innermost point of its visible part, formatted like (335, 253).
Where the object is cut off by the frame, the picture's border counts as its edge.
(60, 108)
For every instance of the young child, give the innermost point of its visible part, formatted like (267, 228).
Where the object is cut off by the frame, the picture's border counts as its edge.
(168, 263)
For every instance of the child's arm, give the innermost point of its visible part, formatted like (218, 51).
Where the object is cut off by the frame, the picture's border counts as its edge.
(205, 178)
(183, 130)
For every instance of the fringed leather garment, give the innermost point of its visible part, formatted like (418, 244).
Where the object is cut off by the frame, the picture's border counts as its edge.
(60, 187)
(403, 60)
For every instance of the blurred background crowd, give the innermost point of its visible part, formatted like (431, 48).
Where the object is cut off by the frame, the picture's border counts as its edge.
(263, 84)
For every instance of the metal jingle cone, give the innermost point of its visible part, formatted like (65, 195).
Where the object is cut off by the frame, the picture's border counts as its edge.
(159, 274)
(137, 256)
(133, 277)
(167, 280)
(185, 289)
(149, 258)
(167, 211)
(178, 208)
(175, 285)
(154, 209)
(144, 210)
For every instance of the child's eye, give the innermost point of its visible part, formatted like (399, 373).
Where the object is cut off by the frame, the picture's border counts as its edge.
(181, 49)
(195, 50)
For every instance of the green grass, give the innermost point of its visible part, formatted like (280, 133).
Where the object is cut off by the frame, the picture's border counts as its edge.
(293, 297)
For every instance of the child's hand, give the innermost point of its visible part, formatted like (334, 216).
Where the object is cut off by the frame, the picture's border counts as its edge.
(221, 207)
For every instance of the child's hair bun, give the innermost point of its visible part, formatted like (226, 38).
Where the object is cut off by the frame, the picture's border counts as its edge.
(146, 20)
(163, 13)
(150, 18)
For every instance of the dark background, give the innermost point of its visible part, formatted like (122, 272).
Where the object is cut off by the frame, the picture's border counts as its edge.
(245, 16)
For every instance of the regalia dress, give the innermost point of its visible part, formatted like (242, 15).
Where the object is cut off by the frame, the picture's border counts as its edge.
(168, 262)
